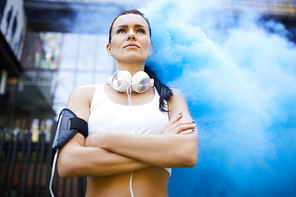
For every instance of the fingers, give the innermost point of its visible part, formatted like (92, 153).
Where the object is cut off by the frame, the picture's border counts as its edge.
(184, 126)
(177, 126)
(176, 119)
(187, 132)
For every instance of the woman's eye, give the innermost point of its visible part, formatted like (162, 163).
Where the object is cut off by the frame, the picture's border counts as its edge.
(120, 31)
(141, 31)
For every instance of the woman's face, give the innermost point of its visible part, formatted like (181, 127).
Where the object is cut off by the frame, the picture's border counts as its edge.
(130, 39)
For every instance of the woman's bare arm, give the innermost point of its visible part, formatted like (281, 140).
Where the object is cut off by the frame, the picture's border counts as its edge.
(76, 160)
(168, 150)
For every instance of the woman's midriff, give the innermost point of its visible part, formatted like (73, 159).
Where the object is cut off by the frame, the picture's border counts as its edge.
(148, 182)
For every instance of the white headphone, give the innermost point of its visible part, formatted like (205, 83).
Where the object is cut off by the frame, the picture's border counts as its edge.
(122, 79)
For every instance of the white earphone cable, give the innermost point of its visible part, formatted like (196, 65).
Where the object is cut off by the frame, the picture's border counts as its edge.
(52, 172)
(130, 103)
(130, 184)
(129, 96)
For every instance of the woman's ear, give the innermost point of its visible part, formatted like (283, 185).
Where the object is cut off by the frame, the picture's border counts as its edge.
(109, 50)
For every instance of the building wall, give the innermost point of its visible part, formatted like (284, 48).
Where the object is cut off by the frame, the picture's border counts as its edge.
(13, 24)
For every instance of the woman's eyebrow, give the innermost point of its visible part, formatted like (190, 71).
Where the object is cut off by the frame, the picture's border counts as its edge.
(120, 26)
(139, 25)
(125, 26)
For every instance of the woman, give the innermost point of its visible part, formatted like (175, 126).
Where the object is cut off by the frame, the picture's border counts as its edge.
(115, 160)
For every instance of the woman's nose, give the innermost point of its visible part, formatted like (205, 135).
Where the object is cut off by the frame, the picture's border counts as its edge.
(131, 35)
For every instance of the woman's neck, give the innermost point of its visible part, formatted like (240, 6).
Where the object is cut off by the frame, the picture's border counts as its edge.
(131, 67)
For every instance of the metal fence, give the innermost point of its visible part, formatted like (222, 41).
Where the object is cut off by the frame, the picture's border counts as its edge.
(25, 167)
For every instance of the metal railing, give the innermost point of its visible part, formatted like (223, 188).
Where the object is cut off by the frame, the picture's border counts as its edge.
(25, 168)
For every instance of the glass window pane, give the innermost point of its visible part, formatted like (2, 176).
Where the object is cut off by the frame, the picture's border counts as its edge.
(65, 84)
(104, 62)
(45, 87)
(69, 51)
(26, 89)
(84, 78)
(87, 52)
(101, 77)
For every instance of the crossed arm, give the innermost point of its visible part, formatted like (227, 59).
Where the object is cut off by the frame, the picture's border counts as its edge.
(109, 153)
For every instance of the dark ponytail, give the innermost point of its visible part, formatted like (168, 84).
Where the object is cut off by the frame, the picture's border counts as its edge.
(164, 91)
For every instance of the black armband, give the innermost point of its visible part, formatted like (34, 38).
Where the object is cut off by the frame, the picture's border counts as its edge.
(68, 125)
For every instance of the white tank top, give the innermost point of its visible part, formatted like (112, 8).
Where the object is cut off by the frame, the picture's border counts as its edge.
(107, 115)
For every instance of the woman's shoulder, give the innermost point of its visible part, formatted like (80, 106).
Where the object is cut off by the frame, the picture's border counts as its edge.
(82, 93)
(178, 104)
(177, 98)
(177, 93)
(80, 99)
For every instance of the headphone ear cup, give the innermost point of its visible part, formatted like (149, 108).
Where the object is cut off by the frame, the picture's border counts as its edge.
(141, 82)
(120, 80)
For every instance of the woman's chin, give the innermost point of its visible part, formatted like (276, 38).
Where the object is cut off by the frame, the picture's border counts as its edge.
(132, 60)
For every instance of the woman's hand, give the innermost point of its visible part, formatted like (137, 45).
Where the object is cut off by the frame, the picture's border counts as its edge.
(176, 126)
(97, 139)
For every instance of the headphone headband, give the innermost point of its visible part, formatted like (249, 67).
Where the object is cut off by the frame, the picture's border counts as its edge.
(122, 79)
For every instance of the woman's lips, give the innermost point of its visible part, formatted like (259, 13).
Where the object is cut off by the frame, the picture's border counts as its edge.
(132, 45)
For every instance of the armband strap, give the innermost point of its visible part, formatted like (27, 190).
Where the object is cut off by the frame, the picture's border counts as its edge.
(80, 124)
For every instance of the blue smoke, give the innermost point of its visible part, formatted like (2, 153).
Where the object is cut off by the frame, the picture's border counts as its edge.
(241, 90)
